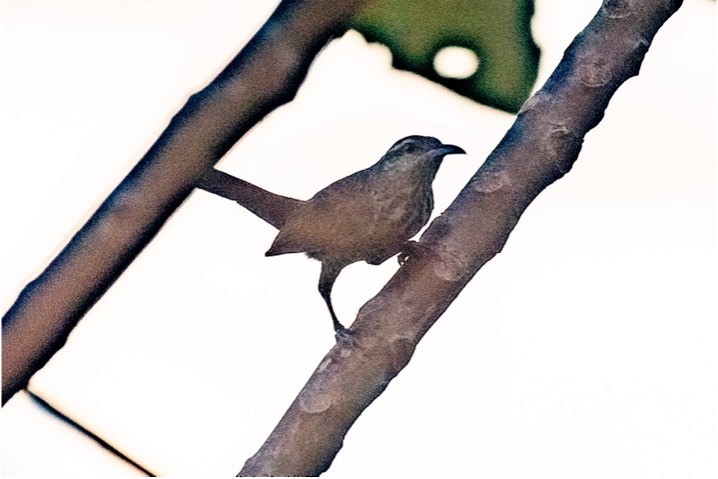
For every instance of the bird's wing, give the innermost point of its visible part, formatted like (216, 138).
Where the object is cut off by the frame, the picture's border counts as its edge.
(336, 215)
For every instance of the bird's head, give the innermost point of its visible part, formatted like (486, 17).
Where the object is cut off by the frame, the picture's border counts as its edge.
(417, 152)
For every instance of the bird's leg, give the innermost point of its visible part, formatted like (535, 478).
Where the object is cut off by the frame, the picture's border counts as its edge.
(326, 281)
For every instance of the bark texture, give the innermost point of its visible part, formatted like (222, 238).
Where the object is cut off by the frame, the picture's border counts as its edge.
(540, 148)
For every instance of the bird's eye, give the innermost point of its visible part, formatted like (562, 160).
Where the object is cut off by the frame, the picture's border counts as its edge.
(410, 148)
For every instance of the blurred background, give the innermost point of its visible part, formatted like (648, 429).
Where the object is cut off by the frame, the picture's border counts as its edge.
(585, 349)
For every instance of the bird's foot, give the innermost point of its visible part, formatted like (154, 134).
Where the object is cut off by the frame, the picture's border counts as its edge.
(344, 336)
(411, 249)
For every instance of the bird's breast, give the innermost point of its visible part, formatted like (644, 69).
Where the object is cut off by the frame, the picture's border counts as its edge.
(402, 210)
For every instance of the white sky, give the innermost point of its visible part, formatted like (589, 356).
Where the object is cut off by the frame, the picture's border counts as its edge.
(587, 348)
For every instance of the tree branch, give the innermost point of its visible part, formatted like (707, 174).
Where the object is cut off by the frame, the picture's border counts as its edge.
(52, 411)
(539, 148)
(264, 75)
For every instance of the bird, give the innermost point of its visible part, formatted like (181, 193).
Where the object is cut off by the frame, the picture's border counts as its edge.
(367, 216)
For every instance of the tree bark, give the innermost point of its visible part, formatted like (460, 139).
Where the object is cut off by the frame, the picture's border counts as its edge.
(540, 148)
(264, 75)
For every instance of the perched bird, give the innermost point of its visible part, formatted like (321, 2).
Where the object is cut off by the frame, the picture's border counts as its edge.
(368, 216)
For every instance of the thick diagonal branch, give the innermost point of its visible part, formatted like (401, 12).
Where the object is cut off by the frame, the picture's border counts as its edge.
(265, 74)
(539, 148)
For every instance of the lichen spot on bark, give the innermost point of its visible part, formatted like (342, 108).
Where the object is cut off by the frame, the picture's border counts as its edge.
(594, 71)
(313, 400)
(534, 101)
(450, 267)
(491, 181)
(562, 146)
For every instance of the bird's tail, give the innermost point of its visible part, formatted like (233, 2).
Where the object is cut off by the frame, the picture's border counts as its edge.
(272, 208)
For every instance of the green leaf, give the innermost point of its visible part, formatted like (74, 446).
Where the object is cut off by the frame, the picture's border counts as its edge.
(497, 31)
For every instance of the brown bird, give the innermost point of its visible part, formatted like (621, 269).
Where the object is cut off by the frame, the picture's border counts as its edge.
(368, 216)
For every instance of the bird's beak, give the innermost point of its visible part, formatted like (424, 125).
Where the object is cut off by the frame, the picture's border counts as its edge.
(451, 150)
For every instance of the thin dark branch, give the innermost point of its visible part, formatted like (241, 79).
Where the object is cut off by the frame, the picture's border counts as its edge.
(47, 407)
(263, 76)
(540, 148)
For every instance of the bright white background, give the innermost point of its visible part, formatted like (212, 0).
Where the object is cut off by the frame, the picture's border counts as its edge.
(587, 348)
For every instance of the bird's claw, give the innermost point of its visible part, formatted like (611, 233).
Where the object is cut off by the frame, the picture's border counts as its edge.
(345, 336)
(411, 248)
